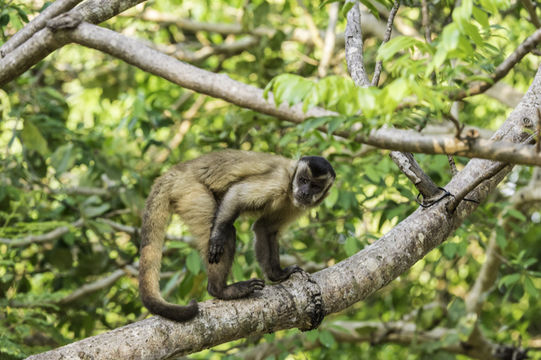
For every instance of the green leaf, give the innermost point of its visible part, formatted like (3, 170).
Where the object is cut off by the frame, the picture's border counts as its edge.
(373, 173)
(32, 138)
(327, 2)
(509, 279)
(312, 124)
(326, 338)
(172, 282)
(516, 214)
(312, 335)
(481, 17)
(345, 9)
(530, 287)
(4, 19)
(22, 14)
(63, 158)
(290, 88)
(193, 262)
(450, 250)
(93, 211)
(395, 45)
(176, 244)
(351, 246)
(331, 199)
(371, 8)
(237, 270)
(335, 123)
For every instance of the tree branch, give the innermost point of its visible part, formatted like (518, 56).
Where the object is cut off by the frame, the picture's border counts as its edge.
(424, 184)
(41, 238)
(247, 96)
(43, 42)
(386, 38)
(354, 46)
(38, 23)
(531, 11)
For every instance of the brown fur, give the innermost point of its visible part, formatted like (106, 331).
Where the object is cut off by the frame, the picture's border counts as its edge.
(209, 193)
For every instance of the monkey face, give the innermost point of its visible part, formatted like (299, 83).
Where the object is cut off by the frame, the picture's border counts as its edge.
(313, 178)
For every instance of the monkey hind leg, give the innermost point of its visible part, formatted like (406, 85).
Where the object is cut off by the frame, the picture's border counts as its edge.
(218, 273)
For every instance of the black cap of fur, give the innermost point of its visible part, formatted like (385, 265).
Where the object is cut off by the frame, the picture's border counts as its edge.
(319, 166)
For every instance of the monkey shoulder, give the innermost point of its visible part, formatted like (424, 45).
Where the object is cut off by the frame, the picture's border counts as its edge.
(220, 170)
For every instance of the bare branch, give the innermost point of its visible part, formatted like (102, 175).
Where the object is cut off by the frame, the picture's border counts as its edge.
(386, 38)
(531, 11)
(354, 46)
(83, 190)
(370, 26)
(232, 48)
(410, 168)
(461, 195)
(426, 21)
(43, 42)
(411, 141)
(93, 287)
(38, 23)
(36, 239)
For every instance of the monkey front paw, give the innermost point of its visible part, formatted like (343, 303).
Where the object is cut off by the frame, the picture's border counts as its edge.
(216, 251)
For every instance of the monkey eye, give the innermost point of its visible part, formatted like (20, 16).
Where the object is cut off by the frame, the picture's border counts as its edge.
(303, 180)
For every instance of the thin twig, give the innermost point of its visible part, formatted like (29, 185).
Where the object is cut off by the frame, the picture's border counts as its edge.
(531, 11)
(424, 184)
(503, 69)
(41, 238)
(426, 21)
(456, 199)
(452, 165)
(386, 37)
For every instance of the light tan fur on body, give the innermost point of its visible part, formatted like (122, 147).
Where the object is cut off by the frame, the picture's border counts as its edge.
(209, 193)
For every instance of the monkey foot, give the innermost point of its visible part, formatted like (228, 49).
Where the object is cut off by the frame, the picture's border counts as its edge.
(285, 273)
(238, 290)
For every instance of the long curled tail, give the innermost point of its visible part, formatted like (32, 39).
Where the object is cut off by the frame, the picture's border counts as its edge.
(155, 218)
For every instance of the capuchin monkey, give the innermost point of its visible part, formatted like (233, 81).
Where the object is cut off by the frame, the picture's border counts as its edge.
(209, 193)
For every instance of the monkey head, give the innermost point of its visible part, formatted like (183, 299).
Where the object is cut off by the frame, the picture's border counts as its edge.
(313, 178)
